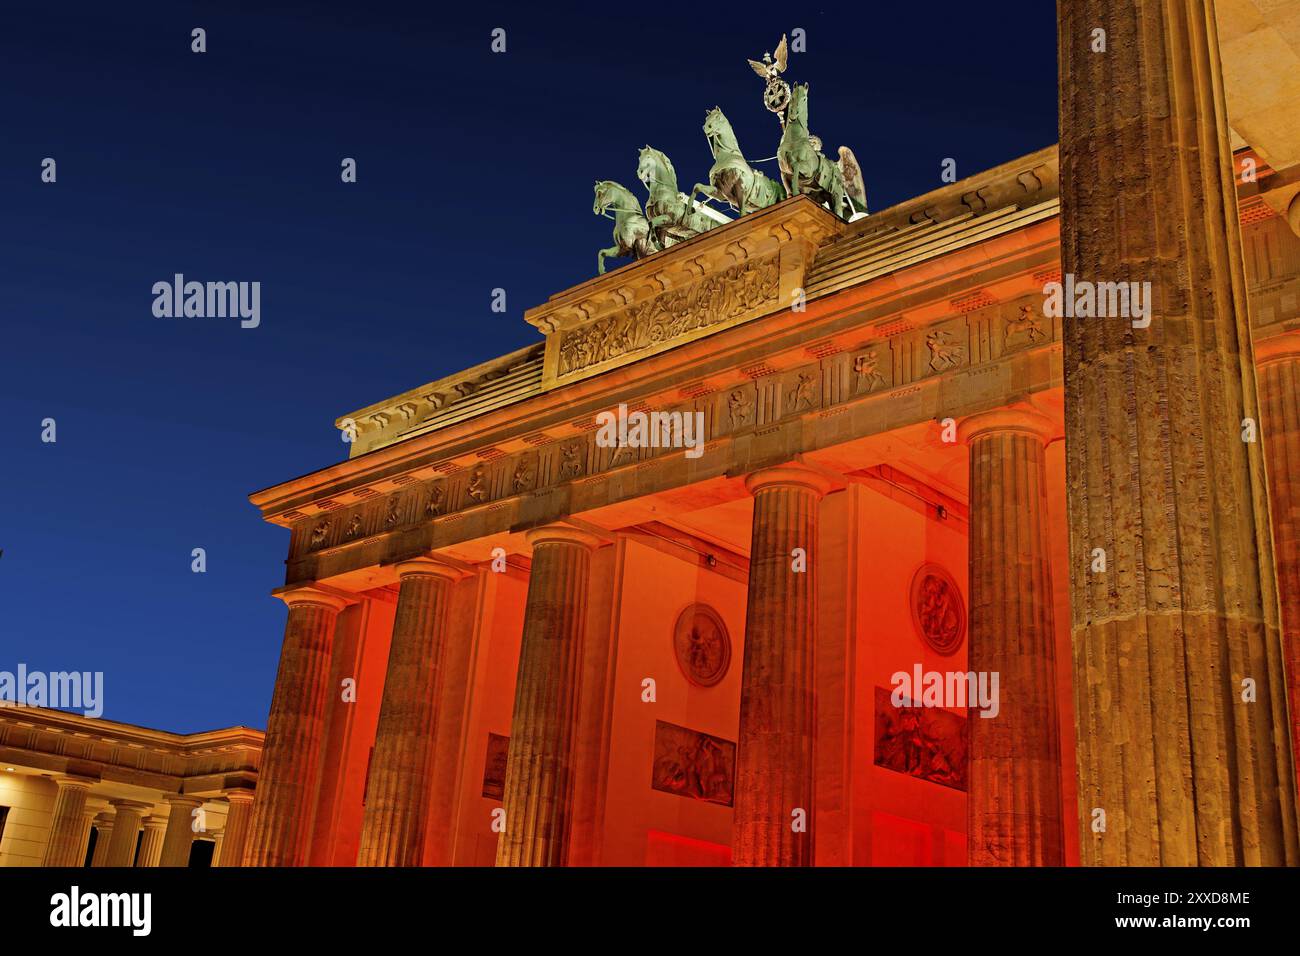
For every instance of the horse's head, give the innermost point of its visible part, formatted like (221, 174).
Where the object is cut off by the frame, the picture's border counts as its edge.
(797, 111)
(717, 130)
(610, 193)
(654, 167)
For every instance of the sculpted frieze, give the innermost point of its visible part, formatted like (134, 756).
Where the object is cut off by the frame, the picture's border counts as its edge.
(890, 370)
(866, 369)
(677, 313)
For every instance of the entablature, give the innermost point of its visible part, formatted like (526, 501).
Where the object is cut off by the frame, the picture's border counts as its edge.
(944, 337)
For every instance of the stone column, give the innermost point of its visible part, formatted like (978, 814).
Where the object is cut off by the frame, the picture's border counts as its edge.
(104, 836)
(238, 818)
(126, 831)
(151, 845)
(287, 785)
(1277, 361)
(1013, 806)
(773, 821)
(180, 830)
(83, 842)
(67, 823)
(1175, 767)
(540, 766)
(218, 838)
(401, 768)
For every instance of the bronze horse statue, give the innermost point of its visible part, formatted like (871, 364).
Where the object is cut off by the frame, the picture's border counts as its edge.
(805, 170)
(673, 216)
(732, 179)
(632, 233)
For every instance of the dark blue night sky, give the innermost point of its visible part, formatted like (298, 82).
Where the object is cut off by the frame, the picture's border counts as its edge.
(475, 171)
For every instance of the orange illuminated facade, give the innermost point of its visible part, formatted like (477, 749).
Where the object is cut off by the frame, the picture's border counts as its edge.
(508, 644)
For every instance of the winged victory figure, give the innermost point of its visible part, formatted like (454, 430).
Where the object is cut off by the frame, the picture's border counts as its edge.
(854, 185)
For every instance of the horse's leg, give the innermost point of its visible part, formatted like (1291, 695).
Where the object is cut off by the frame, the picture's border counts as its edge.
(602, 254)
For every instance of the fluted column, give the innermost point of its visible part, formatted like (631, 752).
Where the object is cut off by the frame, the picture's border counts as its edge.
(401, 769)
(179, 835)
(1277, 361)
(1182, 746)
(83, 841)
(540, 766)
(151, 844)
(126, 831)
(103, 838)
(773, 820)
(295, 730)
(238, 820)
(1013, 806)
(67, 823)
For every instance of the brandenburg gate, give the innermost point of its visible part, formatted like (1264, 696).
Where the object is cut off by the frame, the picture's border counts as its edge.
(510, 642)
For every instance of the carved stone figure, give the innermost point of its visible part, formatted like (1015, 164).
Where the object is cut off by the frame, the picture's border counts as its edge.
(938, 612)
(709, 301)
(354, 527)
(801, 396)
(944, 354)
(732, 179)
(692, 764)
(865, 366)
(1027, 322)
(673, 217)
(702, 645)
(632, 234)
(477, 489)
(571, 461)
(319, 533)
(739, 407)
(925, 742)
(437, 500)
(393, 516)
(523, 476)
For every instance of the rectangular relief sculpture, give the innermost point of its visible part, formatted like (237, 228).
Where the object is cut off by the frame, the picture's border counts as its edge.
(925, 742)
(692, 764)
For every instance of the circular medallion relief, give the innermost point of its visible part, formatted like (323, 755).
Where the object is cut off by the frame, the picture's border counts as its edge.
(938, 611)
(702, 645)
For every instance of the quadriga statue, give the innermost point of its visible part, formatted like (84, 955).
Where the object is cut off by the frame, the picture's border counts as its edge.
(732, 179)
(673, 217)
(805, 170)
(632, 233)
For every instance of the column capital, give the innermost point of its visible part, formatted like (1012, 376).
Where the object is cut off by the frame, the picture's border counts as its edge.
(181, 800)
(73, 781)
(122, 804)
(155, 823)
(239, 796)
(564, 533)
(1012, 419)
(433, 566)
(295, 595)
(1277, 348)
(790, 475)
